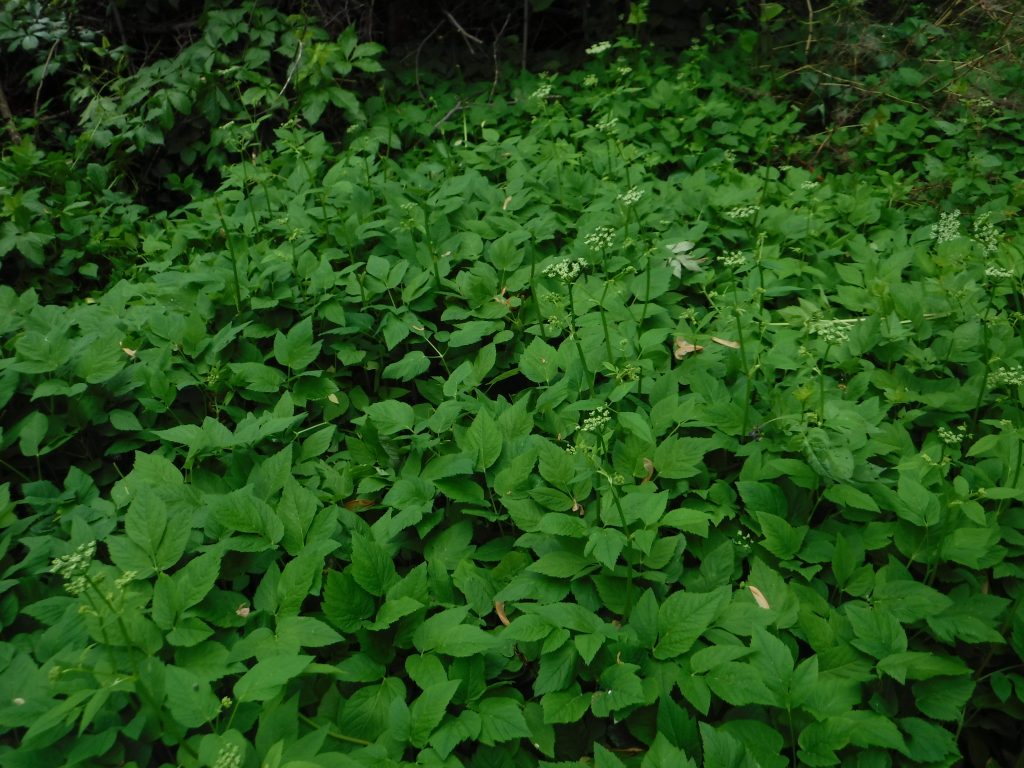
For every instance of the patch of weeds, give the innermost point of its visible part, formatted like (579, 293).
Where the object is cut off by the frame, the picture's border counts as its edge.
(573, 425)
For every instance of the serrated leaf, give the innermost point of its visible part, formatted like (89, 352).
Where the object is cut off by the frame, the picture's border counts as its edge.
(685, 616)
(372, 566)
(391, 416)
(412, 365)
(539, 362)
(297, 350)
(501, 719)
(428, 709)
(267, 677)
(483, 440)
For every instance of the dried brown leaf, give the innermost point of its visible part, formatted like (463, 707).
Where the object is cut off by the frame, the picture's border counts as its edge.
(759, 597)
(684, 348)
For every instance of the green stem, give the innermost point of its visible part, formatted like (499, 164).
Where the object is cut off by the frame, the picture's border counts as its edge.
(743, 362)
(576, 339)
(626, 551)
(604, 324)
(334, 734)
(234, 255)
(983, 390)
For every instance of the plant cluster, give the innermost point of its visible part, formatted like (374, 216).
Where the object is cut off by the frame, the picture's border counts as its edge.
(562, 421)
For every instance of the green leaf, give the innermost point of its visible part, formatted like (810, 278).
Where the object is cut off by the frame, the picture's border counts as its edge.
(391, 416)
(565, 706)
(944, 698)
(909, 600)
(501, 719)
(722, 750)
(681, 457)
(267, 677)
(465, 727)
(561, 565)
(685, 616)
(305, 632)
(196, 578)
(162, 537)
(257, 377)
(637, 424)
(780, 538)
(539, 362)
(296, 350)
(428, 710)
(366, 712)
(190, 699)
(431, 633)
(372, 566)
(605, 545)
(393, 610)
(242, 511)
(346, 605)
(970, 546)
(877, 631)
(919, 665)
(663, 754)
(739, 684)
(412, 365)
(483, 440)
(916, 504)
(928, 742)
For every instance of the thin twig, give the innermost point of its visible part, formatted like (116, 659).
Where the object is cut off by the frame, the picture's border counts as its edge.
(494, 54)
(42, 77)
(292, 69)
(458, 105)
(810, 30)
(416, 59)
(526, 33)
(5, 112)
(467, 36)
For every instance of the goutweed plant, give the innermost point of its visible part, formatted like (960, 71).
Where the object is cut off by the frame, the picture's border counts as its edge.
(584, 426)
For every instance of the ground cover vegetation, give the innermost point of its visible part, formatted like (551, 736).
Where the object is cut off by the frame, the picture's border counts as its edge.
(659, 410)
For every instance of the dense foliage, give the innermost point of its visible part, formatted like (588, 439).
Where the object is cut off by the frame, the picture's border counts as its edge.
(662, 411)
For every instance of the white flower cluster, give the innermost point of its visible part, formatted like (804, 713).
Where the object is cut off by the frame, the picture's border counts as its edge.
(600, 239)
(986, 234)
(542, 93)
(623, 71)
(566, 270)
(948, 227)
(832, 331)
(744, 541)
(1007, 377)
(809, 184)
(598, 48)
(998, 273)
(742, 212)
(952, 437)
(607, 124)
(590, 81)
(73, 568)
(631, 196)
(733, 259)
(597, 419)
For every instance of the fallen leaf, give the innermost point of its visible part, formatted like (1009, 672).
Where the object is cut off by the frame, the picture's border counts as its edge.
(508, 200)
(359, 503)
(759, 597)
(649, 469)
(499, 608)
(726, 342)
(684, 348)
(129, 352)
